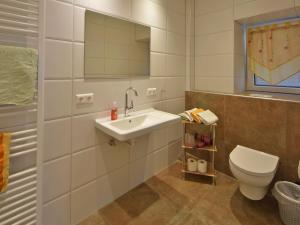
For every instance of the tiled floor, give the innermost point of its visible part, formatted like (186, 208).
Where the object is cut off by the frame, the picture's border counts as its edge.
(167, 199)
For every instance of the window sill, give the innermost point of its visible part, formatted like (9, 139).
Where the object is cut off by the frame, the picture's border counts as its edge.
(271, 96)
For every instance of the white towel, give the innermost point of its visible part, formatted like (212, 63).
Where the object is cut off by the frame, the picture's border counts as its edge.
(208, 117)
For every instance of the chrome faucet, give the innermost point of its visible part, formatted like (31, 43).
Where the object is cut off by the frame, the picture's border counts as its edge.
(127, 108)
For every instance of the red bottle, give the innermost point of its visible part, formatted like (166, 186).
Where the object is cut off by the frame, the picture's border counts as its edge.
(114, 111)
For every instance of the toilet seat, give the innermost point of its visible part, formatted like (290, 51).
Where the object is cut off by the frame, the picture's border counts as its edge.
(253, 162)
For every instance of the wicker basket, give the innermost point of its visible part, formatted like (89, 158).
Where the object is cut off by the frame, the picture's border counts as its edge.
(288, 196)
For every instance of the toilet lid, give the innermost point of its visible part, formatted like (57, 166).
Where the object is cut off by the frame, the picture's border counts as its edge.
(253, 161)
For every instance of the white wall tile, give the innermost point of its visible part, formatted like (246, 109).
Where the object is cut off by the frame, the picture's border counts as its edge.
(160, 159)
(218, 21)
(57, 178)
(158, 40)
(57, 212)
(176, 22)
(120, 8)
(58, 99)
(142, 146)
(217, 84)
(175, 87)
(140, 170)
(78, 60)
(59, 20)
(208, 6)
(158, 64)
(79, 20)
(175, 43)
(175, 65)
(105, 92)
(254, 8)
(175, 131)
(177, 6)
(83, 167)
(57, 138)
(58, 59)
(158, 138)
(84, 202)
(174, 106)
(219, 43)
(205, 66)
(174, 150)
(84, 132)
(149, 12)
(110, 158)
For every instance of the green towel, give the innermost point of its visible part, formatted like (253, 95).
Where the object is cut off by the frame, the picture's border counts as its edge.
(18, 75)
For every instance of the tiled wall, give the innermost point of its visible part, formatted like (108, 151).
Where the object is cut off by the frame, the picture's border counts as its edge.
(267, 125)
(218, 38)
(81, 171)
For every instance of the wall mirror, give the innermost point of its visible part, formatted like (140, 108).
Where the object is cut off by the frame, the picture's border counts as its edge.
(115, 48)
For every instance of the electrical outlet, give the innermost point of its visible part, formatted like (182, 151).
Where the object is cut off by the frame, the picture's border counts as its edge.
(151, 92)
(85, 98)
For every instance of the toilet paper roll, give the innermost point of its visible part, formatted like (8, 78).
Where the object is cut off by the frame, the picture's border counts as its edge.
(192, 164)
(202, 166)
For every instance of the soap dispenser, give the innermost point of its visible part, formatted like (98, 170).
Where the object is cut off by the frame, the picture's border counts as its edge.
(114, 111)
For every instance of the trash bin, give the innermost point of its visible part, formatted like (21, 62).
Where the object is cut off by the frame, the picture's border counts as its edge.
(288, 196)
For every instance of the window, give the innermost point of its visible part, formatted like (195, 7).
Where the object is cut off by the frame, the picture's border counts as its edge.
(273, 57)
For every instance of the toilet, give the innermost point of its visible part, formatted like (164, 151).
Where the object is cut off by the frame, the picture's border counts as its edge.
(254, 170)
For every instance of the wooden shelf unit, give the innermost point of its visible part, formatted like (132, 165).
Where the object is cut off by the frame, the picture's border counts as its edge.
(211, 172)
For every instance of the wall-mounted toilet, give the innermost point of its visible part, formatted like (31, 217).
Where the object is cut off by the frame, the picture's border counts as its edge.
(254, 170)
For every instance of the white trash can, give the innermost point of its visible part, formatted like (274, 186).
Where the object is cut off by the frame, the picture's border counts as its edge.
(288, 196)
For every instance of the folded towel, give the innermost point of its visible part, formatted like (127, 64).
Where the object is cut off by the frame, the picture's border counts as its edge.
(208, 117)
(18, 75)
(195, 115)
(4, 160)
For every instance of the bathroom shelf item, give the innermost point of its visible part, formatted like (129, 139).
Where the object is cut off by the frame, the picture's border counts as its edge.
(188, 151)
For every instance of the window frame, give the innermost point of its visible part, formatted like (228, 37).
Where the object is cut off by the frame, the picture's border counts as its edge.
(250, 79)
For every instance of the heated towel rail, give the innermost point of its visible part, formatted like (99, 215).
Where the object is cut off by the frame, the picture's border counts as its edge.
(18, 205)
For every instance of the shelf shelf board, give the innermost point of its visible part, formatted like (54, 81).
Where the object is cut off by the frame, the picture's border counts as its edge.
(193, 122)
(208, 174)
(205, 148)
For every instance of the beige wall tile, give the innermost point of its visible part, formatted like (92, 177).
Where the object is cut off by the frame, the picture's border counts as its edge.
(209, 6)
(58, 59)
(214, 22)
(218, 43)
(115, 7)
(216, 84)
(58, 100)
(175, 43)
(79, 20)
(158, 40)
(57, 138)
(84, 166)
(78, 60)
(158, 64)
(58, 179)
(59, 20)
(175, 65)
(57, 211)
(205, 66)
(149, 13)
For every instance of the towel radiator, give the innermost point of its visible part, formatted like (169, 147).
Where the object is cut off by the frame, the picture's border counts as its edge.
(19, 20)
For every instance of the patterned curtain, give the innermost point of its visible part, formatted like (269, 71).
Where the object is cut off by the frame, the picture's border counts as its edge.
(274, 51)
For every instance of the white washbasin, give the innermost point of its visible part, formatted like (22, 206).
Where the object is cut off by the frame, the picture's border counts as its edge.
(135, 125)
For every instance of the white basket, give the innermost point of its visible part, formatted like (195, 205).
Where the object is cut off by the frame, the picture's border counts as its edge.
(288, 196)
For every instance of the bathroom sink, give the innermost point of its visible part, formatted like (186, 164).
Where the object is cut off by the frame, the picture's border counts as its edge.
(135, 125)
